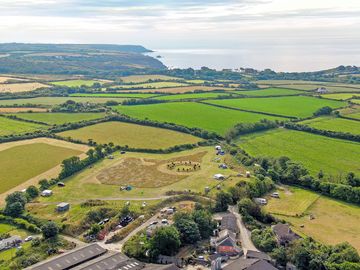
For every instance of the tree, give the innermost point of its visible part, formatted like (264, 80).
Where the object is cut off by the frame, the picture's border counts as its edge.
(95, 229)
(204, 222)
(352, 180)
(50, 230)
(17, 196)
(279, 254)
(44, 184)
(14, 209)
(166, 240)
(32, 192)
(189, 231)
(223, 199)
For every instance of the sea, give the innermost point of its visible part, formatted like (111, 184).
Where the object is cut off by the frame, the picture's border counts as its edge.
(287, 59)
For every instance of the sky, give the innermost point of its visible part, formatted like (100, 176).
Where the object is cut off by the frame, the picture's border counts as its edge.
(186, 24)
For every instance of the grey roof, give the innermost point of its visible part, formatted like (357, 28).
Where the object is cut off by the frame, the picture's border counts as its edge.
(70, 259)
(249, 264)
(252, 254)
(229, 222)
(284, 232)
(63, 204)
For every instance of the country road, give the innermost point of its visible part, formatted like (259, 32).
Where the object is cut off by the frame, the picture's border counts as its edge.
(245, 234)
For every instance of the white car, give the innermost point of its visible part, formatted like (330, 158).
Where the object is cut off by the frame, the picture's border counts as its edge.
(164, 221)
(29, 238)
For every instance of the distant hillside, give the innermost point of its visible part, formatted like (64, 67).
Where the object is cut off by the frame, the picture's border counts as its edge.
(87, 59)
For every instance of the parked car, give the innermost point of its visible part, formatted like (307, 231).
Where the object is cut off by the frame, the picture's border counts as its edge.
(29, 238)
(164, 221)
(125, 221)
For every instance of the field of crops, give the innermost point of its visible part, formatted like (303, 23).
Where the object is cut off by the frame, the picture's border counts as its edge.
(193, 115)
(329, 215)
(270, 92)
(298, 106)
(9, 126)
(113, 95)
(60, 118)
(334, 124)
(136, 136)
(341, 96)
(193, 96)
(20, 87)
(50, 101)
(20, 163)
(145, 78)
(75, 83)
(333, 156)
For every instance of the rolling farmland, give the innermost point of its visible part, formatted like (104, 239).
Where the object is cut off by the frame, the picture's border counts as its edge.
(20, 87)
(136, 136)
(155, 85)
(341, 96)
(335, 157)
(145, 78)
(270, 92)
(334, 124)
(75, 83)
(193, 96)
(9, 127)
(113, 95)
(192, 114)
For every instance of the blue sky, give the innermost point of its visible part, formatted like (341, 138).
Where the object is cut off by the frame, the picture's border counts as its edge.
(181, 24)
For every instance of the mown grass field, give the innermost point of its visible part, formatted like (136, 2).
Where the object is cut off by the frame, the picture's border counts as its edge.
(192, 114)
(60, 118)
(75, 83)
(334, 124)
(20, 87)
(335, 157)
(270, 92)
(133, 135)
(9, 127)
(20, 163)
(334, 221)
(112, 95)
(145, 78)
(51, 101)
(193, 96)
(293, 201)
(341, 96)
(85, 184)
(151, 85)
(298, 106)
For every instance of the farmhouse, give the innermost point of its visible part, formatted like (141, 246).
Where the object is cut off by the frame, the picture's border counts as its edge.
(61, 207)
(10, 242)
(46, 193)
(225, 244)
(284, 234)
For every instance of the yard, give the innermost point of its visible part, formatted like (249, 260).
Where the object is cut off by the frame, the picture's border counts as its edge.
(192, 114)
(13, 127)
(135, 136)
(334, 156)
(299, 106)
(60, 118)
(334, 124)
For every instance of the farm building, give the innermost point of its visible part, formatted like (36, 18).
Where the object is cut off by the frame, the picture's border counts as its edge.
(253, 254)
(284, 234)
(10, 242)
(321, 90)
(225, 243)
(219, 176)
(248, 264)
(229, 222)
(62, 207)
(46, 193)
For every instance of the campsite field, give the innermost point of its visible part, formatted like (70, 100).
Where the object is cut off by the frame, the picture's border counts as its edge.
(136, 136)
(270, 92)
(20, 87)
(60, 118)
(75, 83)
(86, 184)
(335, 157)
(334, 124)
(51, 101)
(113, 95)
(9, 127)
(298, 106)
(341, 96)
(146, 78)
(328, 225)
(192, 114)
(16, 166)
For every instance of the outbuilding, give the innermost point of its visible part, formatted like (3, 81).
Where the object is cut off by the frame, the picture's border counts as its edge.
(46, 193)
(219, 176)
(62, 207)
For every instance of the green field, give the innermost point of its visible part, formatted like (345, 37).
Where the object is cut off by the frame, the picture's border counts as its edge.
(12, 127)
(334, 124)
(75, 83)
(136, 136)
(334, 221)
(293, 201)
(270, 92)
(20, 163)
(353, 115)
(357, 101)
(193, 96)
(145, 78)
(192, 114)
(151, 85)
(60, 118)
(50, 101)
(333, 156)
(298, 106)
(341, 96)
(113, 95)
